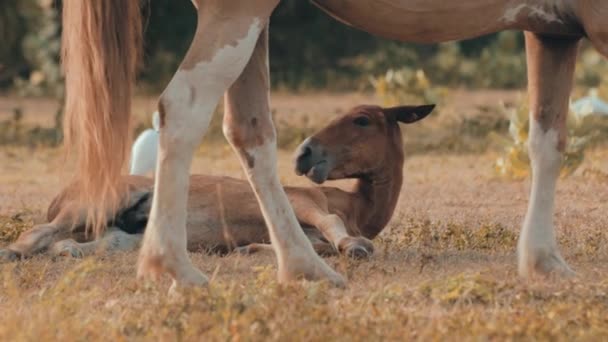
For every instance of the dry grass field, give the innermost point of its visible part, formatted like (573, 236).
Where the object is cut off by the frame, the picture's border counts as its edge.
(445, 268)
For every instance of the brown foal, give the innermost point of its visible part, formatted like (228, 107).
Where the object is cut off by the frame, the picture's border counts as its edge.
(364, 144)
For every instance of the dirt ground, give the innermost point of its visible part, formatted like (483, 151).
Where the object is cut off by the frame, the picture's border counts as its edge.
(445, 268)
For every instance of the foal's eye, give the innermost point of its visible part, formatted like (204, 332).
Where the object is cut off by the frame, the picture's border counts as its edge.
(362, 121)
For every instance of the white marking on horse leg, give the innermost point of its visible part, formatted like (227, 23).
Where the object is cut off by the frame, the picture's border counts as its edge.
(188, 103)
(537, 247)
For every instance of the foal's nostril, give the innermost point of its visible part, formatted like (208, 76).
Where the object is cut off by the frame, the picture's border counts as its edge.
(303, 159)
(307, 152)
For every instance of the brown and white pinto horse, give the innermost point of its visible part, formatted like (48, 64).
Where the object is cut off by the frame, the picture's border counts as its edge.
(229, 55)
(223, 213)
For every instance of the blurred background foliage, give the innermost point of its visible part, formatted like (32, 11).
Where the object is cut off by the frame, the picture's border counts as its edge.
(308, 50)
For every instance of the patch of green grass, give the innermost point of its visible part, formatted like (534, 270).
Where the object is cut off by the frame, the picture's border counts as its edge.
(427, 235)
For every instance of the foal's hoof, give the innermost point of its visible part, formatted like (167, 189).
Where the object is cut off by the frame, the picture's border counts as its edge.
(356, 247)
(7, 255)
(72, 252)
(67, 248)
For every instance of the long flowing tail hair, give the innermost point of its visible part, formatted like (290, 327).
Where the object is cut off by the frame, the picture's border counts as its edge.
(101, 49)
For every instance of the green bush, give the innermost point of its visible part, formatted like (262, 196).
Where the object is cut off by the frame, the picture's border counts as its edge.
(308, 49)
(582, 131)
(405, 85)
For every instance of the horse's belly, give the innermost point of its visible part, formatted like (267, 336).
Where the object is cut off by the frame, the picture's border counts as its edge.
(431, 21)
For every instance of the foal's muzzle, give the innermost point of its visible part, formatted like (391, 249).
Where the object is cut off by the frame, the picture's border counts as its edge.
(311, 160)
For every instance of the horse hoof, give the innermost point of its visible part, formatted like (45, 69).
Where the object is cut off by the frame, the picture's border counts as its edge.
(356, 247)
(358, 252)
(310, 266)
(71, 252)
(193, 279)
(67, 248)
(183, 272)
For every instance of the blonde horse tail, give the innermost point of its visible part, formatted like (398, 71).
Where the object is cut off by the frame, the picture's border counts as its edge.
(101, 51)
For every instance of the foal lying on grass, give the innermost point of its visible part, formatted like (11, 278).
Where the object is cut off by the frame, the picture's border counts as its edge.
(223, 214)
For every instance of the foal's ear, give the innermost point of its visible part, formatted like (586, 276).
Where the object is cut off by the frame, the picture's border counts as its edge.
(408, 114)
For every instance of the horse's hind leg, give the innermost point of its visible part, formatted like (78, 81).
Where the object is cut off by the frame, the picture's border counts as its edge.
(226, 35)
(550, 70)
(249, 129)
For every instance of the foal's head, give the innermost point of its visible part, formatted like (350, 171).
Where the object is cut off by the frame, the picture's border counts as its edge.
(357, 144)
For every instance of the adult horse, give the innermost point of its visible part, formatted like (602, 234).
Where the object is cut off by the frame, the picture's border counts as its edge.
(229, 55)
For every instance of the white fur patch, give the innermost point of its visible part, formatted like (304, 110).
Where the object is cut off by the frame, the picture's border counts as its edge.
(144, 153)
(546, 161)
(334, 229)
(538, 234)
(510, 15)
(194, 93)
(534, 11)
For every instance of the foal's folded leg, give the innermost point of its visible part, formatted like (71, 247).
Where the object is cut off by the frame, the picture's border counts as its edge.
(321, 246)
(253, 248)
(39, 238)
(334, 230)
(114, 240)
(331, 227)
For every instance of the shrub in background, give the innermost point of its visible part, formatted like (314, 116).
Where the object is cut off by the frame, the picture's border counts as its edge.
(583, 130)
(40, 49)
(405, 85)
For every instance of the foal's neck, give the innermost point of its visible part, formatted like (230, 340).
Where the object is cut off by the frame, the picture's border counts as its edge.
(378, 192)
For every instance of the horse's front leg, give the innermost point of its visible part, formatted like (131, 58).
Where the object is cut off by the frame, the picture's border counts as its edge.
(249, 129)
(226, 35)
(550, 71)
